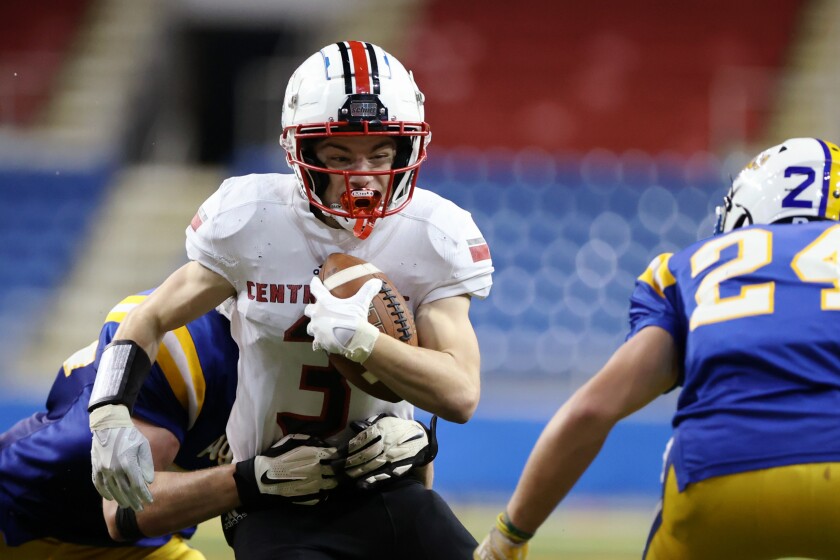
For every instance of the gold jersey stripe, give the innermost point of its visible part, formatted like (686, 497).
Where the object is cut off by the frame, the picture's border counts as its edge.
(657, 275)
(119, 311)
(80, 358)
(196, 373)
(180, 364)
(832, 207)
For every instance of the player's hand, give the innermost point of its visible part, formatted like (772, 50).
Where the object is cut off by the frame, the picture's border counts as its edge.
(501, 544)
(295, 470)
(385, 448)
(340, 326)
(120, 457)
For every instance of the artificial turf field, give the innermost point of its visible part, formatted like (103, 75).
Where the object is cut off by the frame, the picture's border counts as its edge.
(578, 533)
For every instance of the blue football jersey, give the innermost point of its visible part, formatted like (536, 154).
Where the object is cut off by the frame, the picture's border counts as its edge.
(755, 314)
(45, 470)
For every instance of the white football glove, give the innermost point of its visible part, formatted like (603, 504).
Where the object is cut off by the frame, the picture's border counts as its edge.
(386, 448)
(501, 544)
(340, 326)
(296, 470)
(120, 458)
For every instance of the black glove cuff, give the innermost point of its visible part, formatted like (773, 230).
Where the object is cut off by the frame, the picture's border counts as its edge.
(431, 450)
(246, 483)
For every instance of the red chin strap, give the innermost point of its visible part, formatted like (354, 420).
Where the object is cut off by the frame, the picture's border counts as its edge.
(363, 205)
(363, 227)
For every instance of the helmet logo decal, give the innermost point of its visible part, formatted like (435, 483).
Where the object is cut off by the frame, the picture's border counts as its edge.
(758, 161)
(362, 109)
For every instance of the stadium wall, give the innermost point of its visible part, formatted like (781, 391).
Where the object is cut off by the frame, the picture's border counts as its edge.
(482, 460)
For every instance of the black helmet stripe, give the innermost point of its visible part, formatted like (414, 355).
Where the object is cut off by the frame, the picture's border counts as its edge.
(374, 68)
(345, 65)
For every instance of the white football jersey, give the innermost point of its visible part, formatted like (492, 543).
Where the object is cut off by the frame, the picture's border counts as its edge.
(258, 233)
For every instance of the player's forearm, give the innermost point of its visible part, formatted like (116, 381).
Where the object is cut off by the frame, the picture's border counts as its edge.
(429, 379)
(567, 446)
(141, 327)
(185, 499)
(188, 293)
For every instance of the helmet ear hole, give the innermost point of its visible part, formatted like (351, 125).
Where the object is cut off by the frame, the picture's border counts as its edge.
(741, 221)
(318, 181)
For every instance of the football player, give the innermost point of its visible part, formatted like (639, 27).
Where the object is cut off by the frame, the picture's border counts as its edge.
(745, 322)
(355, 136)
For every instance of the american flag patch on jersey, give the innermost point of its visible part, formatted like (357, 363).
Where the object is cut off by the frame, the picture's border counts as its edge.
(478, 249)
(198, 219)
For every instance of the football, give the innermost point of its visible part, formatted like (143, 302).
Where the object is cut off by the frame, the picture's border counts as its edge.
(343, 275)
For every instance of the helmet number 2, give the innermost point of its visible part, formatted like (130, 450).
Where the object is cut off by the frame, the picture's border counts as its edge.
(790, 200)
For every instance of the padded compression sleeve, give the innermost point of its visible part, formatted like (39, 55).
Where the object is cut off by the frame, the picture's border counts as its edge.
(122, 369)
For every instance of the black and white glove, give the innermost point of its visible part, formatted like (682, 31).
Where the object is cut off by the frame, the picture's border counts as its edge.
(385, 448)
(294, 470)
(340, 326)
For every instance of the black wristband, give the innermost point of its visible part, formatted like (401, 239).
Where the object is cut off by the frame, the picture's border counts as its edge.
(120, 375)
(127, 525)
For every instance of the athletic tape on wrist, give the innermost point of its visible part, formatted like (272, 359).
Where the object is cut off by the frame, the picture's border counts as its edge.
(127, 525)
(122, 369)
(110, 416)
(361, 345)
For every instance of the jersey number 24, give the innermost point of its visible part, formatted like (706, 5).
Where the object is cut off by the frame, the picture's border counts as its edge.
(816, 263)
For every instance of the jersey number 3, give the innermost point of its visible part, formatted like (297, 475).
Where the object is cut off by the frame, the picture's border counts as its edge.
(324, 379)
(816, 263)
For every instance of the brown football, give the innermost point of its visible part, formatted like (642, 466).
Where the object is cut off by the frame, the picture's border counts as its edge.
(343, 275)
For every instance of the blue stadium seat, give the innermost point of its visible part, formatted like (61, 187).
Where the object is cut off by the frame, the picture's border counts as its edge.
(43, 216)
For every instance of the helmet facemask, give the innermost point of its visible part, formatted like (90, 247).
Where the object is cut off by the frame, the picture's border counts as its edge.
(358, 209)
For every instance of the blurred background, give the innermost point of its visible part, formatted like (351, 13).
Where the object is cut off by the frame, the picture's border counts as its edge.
(585, 138)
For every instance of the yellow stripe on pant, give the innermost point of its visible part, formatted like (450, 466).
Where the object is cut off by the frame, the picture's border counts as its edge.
(50, 549)
(791, 511)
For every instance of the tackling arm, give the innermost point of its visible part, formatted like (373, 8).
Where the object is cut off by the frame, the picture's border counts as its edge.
(442, 374)
(121, 459)
(181, 499)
